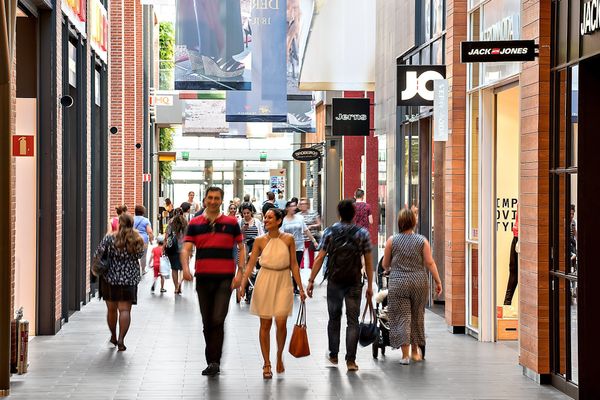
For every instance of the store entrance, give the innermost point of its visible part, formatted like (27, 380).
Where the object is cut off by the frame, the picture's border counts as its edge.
(505, 258)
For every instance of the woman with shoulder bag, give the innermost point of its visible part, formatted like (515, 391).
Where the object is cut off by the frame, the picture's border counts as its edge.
(118, 284)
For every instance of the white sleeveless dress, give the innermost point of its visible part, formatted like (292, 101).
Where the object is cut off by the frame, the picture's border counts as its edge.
(273, 294)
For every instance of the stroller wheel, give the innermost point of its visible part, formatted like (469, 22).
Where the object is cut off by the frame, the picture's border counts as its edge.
(376, 349)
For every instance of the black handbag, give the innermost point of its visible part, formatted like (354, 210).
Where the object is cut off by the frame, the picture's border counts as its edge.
(368, 332)
(101, 264)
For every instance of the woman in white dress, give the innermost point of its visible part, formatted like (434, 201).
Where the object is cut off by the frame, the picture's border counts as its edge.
(273, 294)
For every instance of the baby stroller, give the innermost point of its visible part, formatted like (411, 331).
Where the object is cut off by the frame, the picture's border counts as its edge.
(381, 311)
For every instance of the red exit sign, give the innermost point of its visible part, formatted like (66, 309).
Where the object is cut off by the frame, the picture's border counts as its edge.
(22, 146)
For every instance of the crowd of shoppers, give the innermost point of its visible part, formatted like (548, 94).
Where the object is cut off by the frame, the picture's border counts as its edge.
(228, 246)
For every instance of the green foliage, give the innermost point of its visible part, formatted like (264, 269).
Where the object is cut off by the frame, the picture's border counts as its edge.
(166, 33)
(166, 144)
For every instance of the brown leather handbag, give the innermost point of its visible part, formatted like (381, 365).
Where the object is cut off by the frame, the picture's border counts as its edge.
(299, 341)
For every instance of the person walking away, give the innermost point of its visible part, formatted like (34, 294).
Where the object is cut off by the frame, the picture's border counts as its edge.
(213, 235)
(155, 255)
(295, 226)
(174, 243)
(313, 223)
(118, 286)
(363, 217)
(144, 228)
(114, 224)
(345, 244)
(269, 203)
(273, 297)
(407, 257)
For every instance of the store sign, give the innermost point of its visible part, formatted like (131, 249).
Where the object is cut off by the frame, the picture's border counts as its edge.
(146, 177)
(306, 154)
(590, 17)
(415, 83)
(351, 117)
(99, 29)
(163, 100)
(498, 51)
(75, 10)
(440, 110)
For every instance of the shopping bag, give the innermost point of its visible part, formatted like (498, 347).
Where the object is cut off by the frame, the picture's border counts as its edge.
(299, 342)
(165, 267)
(368, 331)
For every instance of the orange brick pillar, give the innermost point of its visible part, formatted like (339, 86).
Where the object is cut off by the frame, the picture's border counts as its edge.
(454, 171)
(534, 194)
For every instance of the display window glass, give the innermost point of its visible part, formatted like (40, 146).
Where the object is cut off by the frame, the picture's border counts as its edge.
(474, 68)
(382, 188)
(473, 168)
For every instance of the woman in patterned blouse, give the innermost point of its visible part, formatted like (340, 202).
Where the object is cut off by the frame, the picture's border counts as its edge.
(118, 286)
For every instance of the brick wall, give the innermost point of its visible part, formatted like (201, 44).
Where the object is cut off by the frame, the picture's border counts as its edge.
(126, 104)
(534, 192)
(454, 173)
(59, 167)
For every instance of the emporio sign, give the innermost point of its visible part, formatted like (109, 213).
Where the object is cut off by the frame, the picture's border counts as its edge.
(590, 17)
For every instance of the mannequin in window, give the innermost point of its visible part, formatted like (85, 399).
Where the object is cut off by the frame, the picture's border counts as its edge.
(513, 263)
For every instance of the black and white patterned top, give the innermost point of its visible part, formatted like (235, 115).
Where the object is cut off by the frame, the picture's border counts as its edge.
(124, 269)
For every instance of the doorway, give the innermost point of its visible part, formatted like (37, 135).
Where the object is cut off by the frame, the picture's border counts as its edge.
(507, 150)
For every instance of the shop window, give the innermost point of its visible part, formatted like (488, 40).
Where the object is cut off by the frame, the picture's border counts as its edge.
(474, 31)
(97, 88)
(573, 137)
(473, 288)
(426, 55)
(437, 52)
(437, 16)
(473, 165)
(72, 64)
(382, 188)
(561, 137)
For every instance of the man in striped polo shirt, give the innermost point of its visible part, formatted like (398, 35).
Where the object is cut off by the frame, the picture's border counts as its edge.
(214, 235)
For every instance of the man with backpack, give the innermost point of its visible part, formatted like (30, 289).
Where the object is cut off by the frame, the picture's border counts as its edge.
(344, 243)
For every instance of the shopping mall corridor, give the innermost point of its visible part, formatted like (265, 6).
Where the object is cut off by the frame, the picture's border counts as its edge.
(165, 355)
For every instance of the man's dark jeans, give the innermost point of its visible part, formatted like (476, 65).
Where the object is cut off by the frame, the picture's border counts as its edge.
(336, 295)
(214, 293)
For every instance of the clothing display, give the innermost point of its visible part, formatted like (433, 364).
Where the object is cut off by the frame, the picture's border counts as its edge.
(408, 289)
(273, 296)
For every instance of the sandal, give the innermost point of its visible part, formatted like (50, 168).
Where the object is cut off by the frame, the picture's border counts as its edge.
(267, 374)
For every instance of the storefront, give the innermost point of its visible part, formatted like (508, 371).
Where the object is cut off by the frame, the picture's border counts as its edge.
(418, 156)
(492, 184)
(574, 185)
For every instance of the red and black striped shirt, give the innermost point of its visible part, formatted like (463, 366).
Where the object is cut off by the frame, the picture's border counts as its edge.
(214, 244)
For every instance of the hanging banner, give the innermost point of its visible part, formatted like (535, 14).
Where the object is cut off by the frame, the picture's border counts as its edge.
(266, 102)
(299, 17)
(99, 29)
(213, 44)
(300, 116)
(75, 10)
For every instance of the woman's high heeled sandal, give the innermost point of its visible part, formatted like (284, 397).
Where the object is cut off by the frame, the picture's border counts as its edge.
(222, 68)
(267, 373)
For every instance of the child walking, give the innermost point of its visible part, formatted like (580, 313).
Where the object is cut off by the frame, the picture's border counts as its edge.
(157, 253)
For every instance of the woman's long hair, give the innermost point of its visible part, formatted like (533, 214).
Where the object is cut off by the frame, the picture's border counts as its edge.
(178, 222)
(126, 237)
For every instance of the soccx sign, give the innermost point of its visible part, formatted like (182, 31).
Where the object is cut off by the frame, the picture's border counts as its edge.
(415, 83)
(590, 18)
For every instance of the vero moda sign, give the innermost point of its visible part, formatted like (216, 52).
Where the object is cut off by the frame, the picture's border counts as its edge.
(498, 51)
(351, 117)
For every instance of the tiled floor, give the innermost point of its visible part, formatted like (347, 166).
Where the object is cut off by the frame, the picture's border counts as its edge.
(165, 356)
